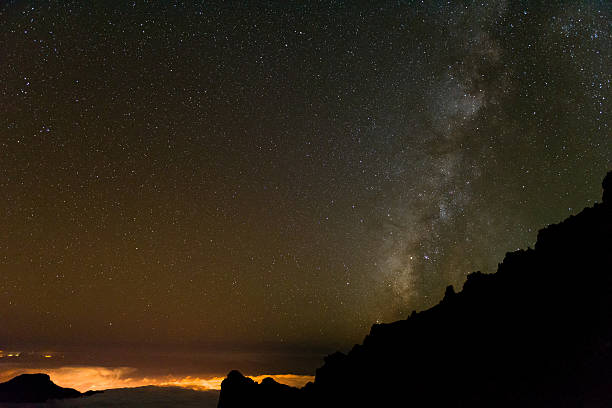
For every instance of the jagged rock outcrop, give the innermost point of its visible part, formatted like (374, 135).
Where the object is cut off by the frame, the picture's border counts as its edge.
(538, 333)
(31, 388)
(607, 189)
(240, 391)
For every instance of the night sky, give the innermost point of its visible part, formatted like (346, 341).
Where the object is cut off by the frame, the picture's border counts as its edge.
(281, 173)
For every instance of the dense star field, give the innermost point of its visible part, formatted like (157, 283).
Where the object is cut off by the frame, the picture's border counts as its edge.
(285, 173)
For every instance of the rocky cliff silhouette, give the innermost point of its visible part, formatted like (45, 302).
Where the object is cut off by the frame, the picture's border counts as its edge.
(538, 333)
(31, 388)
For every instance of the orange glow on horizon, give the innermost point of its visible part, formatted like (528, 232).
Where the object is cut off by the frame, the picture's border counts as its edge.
(214, 383)
(102, 378)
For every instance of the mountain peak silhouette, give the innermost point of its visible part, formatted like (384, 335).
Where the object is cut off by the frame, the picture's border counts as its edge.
(32, 388)
(537, 333)
(607, 188)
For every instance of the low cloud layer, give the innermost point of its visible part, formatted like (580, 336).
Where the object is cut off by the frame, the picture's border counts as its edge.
(102, 378)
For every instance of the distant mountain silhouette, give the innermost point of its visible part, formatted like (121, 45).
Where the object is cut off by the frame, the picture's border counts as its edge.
(35, 388)
(538, 333)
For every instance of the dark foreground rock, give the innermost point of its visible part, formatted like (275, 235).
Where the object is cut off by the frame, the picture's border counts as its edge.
(240, 391)
(538, 333)
(35, 388)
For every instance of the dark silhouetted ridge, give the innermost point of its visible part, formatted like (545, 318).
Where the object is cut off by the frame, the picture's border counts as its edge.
(35, 388)
(240, 391)
(538, 333)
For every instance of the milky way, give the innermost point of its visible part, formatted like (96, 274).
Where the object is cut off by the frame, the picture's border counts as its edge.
(282, 173)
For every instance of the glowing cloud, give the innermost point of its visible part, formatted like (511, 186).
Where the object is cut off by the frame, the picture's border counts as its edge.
(101, 378)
